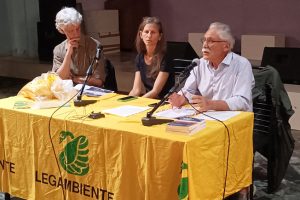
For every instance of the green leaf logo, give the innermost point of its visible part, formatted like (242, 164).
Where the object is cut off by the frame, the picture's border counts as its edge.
(74, 159)
(183, 186)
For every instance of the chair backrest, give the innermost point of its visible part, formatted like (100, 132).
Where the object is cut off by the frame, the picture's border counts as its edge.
(285, 60)
(264, 130)
(179, 55)
(263, 109)
(110, 80)
(180, 64)
(263, 116)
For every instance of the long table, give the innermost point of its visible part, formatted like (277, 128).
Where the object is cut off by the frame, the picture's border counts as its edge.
(75, 157)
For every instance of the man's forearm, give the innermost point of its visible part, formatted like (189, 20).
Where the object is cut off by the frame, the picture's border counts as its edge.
(64, 70)
(95, 82)
(217, 105)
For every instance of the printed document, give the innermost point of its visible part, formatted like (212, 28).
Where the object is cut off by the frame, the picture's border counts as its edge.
(125, 111)
(220, 115)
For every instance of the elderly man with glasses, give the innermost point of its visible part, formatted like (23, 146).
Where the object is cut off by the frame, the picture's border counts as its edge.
(73, 56)
(223, 80)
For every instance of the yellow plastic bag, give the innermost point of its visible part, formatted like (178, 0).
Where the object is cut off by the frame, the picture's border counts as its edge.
(40, 87)
(63, 89)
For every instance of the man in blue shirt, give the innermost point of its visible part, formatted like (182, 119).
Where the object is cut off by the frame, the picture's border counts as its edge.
(223, 80)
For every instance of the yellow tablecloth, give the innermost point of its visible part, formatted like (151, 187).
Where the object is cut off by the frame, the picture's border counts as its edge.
(116, 157)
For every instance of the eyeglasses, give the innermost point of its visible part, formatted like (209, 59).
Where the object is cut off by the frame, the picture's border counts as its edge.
(210, 41)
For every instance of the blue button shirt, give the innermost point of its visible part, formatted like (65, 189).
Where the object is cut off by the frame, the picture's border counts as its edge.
(232, 82)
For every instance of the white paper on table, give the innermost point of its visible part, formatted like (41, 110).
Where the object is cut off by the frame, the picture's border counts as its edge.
(125, 111)
(49, 104)
(175, 113)
(220, 115)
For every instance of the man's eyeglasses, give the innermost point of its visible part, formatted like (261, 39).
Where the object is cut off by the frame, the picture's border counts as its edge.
(210, 41)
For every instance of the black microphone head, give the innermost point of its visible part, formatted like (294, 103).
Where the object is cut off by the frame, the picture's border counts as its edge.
(196, 61)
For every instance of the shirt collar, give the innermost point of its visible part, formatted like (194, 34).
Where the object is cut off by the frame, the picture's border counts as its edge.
(225, 62)
(228, 58)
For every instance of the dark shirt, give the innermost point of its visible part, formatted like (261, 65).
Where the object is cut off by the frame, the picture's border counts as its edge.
(148, 81)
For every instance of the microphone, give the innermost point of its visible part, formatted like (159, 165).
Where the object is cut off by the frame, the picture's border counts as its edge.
(78, 101)
(149, 120)
(98, 52)
(189, 68)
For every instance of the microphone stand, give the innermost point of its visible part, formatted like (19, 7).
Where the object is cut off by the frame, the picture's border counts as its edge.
(79, 102)
(149, 120)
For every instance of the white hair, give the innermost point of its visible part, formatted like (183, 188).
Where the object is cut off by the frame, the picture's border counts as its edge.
(224, 32)
(67, 16)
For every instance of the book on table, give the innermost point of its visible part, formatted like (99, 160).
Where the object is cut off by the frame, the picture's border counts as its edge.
(188, 125)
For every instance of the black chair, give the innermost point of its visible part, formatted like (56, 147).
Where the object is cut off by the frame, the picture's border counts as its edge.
(272, 133)
(110, 79)
(179, 55)
(179, 65)
(263, 135)
(263, 117)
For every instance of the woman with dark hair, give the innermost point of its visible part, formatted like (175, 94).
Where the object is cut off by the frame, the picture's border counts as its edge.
(151, 71)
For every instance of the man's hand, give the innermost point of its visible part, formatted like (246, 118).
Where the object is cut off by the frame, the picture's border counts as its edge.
(201, 103)
(71, 44)
(176, 100)
(78, 79)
